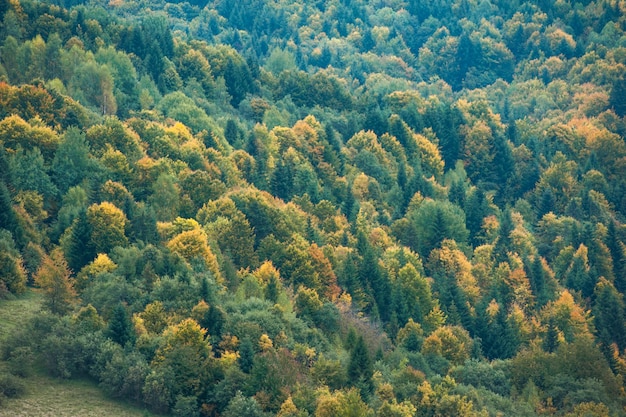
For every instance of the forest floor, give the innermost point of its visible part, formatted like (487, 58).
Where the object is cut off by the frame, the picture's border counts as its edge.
(46, 396)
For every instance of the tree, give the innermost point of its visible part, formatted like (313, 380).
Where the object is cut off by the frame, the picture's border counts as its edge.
(238, 79)
(609, 312)
(246, 355)
(342, 404)
(231, 132)
(415, 291)
(243, 406)
(108, 225)
(372, 276)
(436, 221)
(617, 98)
(180, 363)
(12, 272)
(500, 339)
(79, 248)
(504, 236)
(120, 328)
(29, 172)
(192, 245)
(71, 162)
(94, 84)
(618, 256)
(360, 366)
(551, 339)
(53, 276)
(8, 220)
(165, 198)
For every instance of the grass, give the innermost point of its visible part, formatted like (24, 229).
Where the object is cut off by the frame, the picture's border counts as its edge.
(17, 311)
(46, 396)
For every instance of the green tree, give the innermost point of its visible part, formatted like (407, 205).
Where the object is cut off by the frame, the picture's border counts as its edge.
(12, 273)
(79, 248)
(8, 220)
(617, 98)
(436, 221)
(238, 80)
(609, 311)
(243, 406)
(28, 172)
(246, 355)
(551, 339)
(71, 163)
(360, 366)
(120, 327)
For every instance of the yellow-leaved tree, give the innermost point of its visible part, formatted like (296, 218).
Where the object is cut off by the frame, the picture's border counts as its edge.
(53, 277)
(107, 223)
(193, 245)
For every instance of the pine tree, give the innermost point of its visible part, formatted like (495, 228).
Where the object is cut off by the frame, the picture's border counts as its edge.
(609, 313)
(281, 181)
(120, 328)
(501, 340)
(4, 166)
(551, 339)
(360, 367)
(80, 251)
(7, 215)
(504, 166)
(617, 255)
(504, 236)
(537, 278)
(617, 99)
(371, 276)
(272, 289)
(71, 162)
(246, 355)
(231, 132)
(476, 209)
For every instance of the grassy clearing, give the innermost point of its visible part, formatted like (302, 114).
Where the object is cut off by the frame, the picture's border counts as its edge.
(16, 312)
(46, 396)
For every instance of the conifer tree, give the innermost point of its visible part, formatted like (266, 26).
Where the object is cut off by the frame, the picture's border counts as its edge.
(53, 276)
(79, 250)
(551, 339)
(617, 98)
(616, 248)
(246, 355)
(609, 313)
(360, 367)
(120, 328)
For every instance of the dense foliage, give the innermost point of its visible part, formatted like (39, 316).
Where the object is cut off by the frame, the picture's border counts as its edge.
(319, 208)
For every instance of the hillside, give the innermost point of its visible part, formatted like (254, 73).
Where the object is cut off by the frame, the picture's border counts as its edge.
(326, 208)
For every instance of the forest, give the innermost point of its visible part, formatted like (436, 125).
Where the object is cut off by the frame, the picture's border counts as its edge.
(320, 208)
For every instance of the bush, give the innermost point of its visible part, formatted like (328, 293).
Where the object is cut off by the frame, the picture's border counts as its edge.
(186, 407)
(482, 374)
(20, 361)
(11, 386)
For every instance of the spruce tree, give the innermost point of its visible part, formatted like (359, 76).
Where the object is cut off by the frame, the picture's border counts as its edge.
(7, 215)
(80, 251)
(617, 256)
(246, 355)
(617, 98)
(360, 367)
(120, 328)
(272, 289)
(551, 339)
(504, 236)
